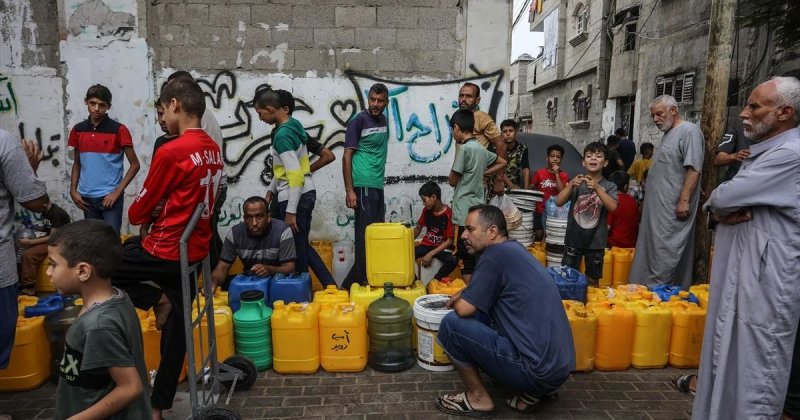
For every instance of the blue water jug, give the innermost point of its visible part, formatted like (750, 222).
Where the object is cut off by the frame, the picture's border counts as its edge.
(665, 291)
(292, 288)
(46, 305)
(244, 282)
(571, 283)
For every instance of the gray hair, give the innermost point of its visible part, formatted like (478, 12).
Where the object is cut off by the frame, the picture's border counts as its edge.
(667, 100)
(787, 92)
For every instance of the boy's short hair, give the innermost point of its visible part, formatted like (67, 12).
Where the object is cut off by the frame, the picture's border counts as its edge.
(556, 147)
(379, 89)
(158, 103)
(180, 75)
(612, 140)
(91, 241)
(188, 94)
(265, 98)
(595, 147)
(99, 92)
(645, 147)
(286, 99)
(489, 215)
(621, 132)
(508, 123)
(620, 178)
(430, 189)
(465, 120)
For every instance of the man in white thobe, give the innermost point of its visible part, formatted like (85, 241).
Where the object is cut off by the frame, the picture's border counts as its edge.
(754, 304)
(665, 247)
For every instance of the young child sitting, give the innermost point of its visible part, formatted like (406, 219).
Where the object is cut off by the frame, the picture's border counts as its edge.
(550, 181)
(437, 219)
(623, 223)
(472, 163)
(102, 371)
(591, 197)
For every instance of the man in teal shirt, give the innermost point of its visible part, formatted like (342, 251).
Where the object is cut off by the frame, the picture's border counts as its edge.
(364, 166)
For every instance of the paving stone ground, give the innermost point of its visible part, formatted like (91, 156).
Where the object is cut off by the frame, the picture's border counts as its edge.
(631, 394)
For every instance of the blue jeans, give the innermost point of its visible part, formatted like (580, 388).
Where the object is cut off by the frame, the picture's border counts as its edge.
(472, 343)
(8, 322)
(112, 216)
(304, 209)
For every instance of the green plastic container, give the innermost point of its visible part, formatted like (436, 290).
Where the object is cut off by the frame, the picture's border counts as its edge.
(251, 328)
(390, 333)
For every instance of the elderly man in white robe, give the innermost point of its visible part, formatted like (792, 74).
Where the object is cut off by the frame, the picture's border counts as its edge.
(665, 247)
(754, 304)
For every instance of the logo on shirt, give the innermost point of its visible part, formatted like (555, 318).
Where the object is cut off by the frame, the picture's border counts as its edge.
(548, 183)
(587, 210)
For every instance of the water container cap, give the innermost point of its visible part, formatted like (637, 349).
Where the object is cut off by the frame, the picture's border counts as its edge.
(388, 288)
(446, 280)
(251, 296)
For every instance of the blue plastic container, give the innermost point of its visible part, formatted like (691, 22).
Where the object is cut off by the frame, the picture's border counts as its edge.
(245, 282)
(571, 283)
(664, 291)
(292, 288)
(46, 305)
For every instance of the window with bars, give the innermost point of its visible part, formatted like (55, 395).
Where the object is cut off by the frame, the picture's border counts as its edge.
(581, 19)
(680, 87)
(581, 104)
(552, 108)
(630, 37)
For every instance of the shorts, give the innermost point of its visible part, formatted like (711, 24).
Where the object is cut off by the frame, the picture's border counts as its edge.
(466, 262)
(538, 223)
(594, 260)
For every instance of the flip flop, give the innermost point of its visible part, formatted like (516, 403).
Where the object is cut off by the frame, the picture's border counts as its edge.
(458, 405)
(681, 383)
(532, 402)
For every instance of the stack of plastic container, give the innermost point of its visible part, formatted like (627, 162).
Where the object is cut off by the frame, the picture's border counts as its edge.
(555, 231)
(526, 201)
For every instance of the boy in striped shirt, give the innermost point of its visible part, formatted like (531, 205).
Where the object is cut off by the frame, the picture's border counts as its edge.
(291, 179)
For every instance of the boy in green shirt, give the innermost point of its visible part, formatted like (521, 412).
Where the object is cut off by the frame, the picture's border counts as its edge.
(473, 162)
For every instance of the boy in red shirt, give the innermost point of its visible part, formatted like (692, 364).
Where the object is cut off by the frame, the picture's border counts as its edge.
(550, 181)
(185, 172)
(623, 223)
(437, 219)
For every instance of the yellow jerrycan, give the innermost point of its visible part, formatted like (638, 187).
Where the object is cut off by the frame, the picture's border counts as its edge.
(583, 324)
(325, 251)
(701, 292)
(615, 327)
(343, 337)
(295, 337)
(390, 254)
(446, 286)
(223, 328)
(151, 338)
(688, 326)
(651, 335)
(538, 253)
(29, 365)
(43, 283)
(332, 295)
(622, 258)
(23, 302)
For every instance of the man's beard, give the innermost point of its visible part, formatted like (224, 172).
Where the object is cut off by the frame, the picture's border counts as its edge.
(759, 129)
(666, 125)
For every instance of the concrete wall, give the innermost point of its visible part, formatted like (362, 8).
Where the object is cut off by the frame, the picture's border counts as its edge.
(326, 53)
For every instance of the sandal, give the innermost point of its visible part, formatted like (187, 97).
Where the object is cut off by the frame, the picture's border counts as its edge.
(532, 402)
(681, 383)
(458, 405)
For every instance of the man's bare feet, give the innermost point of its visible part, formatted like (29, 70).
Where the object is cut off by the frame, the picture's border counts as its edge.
(162, 311)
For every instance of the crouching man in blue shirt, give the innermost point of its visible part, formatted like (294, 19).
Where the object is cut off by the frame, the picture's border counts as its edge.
(528, 346)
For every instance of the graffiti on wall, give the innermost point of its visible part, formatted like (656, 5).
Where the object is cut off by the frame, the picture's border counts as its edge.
(8, 99)
(48, 149)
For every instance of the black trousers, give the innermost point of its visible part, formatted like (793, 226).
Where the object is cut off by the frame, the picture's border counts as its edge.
(133, 275)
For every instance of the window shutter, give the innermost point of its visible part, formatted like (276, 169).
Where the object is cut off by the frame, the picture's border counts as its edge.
(678, 89)
(659, 86)
(688, 88)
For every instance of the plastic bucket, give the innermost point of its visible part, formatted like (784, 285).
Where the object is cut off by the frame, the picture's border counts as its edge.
(428, 313)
